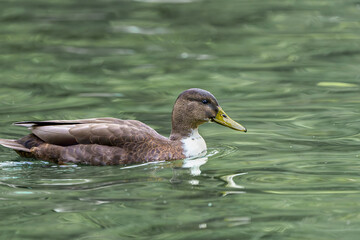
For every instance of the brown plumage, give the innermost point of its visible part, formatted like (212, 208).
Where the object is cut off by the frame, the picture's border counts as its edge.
(111, 141)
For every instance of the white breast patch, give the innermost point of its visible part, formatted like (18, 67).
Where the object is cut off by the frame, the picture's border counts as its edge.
(194, 145)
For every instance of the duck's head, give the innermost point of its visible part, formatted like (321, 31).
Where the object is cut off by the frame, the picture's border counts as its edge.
(196, 106)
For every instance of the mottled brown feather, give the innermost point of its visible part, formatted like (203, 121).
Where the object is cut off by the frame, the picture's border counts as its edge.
(119, 142)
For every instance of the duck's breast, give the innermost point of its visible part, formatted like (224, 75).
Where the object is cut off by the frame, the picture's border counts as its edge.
(194, 145)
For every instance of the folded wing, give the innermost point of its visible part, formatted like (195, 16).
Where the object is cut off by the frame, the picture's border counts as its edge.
(102, 131)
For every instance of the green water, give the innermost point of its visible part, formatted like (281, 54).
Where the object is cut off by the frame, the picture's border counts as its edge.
(287, 70)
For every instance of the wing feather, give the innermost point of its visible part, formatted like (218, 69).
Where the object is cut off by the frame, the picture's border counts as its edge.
(57, 134)
(102, 131)
(68, 122)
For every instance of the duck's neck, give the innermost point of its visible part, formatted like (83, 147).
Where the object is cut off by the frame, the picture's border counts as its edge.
(192, 143)
(182, 125)
(185, 130)
(181, 133)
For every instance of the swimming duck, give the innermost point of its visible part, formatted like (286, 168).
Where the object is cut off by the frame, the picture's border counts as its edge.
(112, 141)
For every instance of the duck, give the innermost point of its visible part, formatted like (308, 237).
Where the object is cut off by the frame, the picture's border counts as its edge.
(113, 141)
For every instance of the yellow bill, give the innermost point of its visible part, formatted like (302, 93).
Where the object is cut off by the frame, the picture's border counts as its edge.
(223, 119)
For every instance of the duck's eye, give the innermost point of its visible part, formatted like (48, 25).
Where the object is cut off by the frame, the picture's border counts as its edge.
(205, 101)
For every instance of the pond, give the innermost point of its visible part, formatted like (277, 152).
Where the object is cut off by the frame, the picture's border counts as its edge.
(287, 70)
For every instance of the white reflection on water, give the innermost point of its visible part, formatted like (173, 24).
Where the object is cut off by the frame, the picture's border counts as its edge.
(230, 180)
(97, 51)
(139, 30)
(237, 221)
(63, 182)
(166, 1)
(141, 164)
(186, 55)
(312, 192)
(194, 165)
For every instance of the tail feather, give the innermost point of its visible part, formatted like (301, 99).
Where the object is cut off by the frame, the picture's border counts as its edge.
(13, 144)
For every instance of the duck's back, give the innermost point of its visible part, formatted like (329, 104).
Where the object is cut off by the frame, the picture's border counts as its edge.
(100, 141)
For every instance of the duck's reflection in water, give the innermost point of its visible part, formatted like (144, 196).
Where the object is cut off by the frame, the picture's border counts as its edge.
(192, 165)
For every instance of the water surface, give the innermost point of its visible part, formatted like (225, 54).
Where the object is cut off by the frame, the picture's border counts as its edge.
(287, 70)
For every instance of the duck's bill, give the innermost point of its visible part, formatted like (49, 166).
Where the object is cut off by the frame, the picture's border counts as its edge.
(224, 119)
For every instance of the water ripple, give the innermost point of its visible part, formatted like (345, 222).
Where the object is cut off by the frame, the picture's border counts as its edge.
(278, 181)
(140, 30)
(166, 1)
